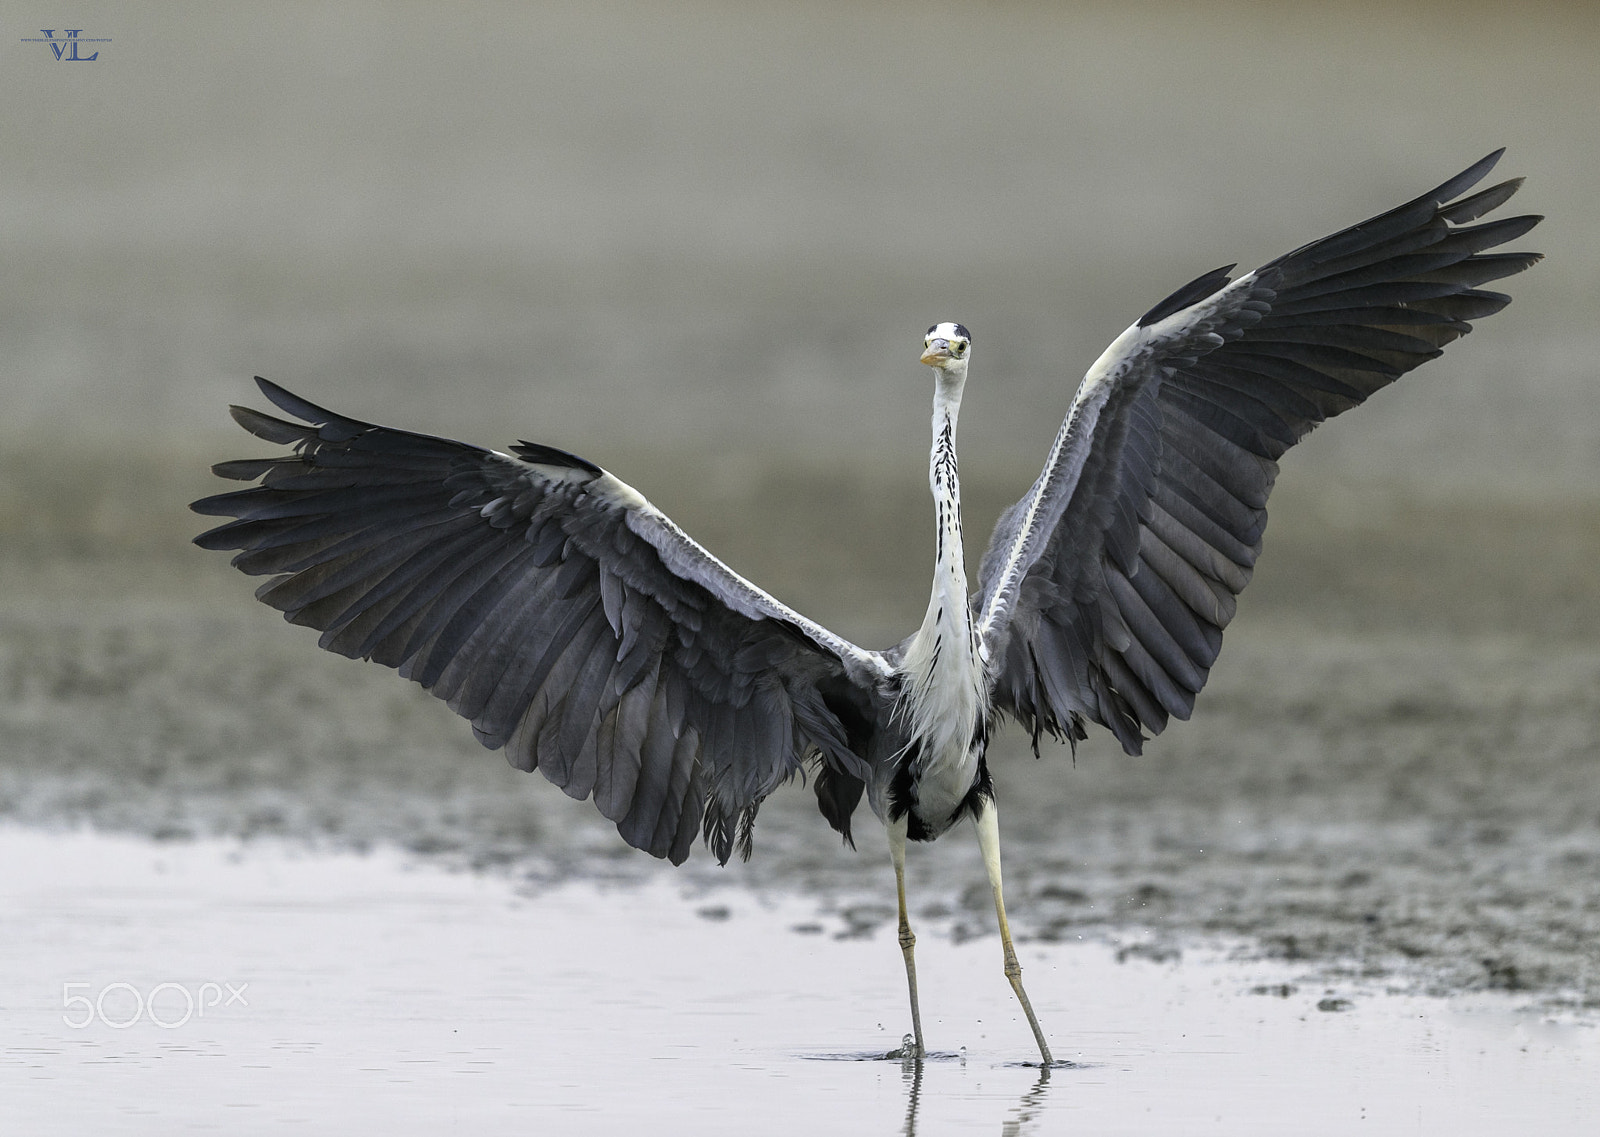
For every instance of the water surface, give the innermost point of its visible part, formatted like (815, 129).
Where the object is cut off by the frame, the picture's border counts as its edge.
(376, 994)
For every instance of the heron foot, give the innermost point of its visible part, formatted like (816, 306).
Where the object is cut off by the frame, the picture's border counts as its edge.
(910, 1050)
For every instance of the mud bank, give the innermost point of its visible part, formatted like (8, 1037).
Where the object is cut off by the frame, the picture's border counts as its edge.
(1391, 778)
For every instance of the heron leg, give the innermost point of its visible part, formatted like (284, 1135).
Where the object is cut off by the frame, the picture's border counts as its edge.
(988, 825)
(908, 941)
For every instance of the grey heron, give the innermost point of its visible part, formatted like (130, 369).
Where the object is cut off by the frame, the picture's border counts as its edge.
(577, 627)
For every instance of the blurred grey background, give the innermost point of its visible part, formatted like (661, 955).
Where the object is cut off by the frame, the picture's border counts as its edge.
(698, 243)
(721, 228)
(705, 237)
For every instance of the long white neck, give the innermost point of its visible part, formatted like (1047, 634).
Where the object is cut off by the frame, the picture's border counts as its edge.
(942, 659)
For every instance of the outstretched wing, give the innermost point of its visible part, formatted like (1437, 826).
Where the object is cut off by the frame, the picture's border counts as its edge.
(557, 609)
(1105, 590)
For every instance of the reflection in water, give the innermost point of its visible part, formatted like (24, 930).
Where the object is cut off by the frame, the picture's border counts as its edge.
(1016, 1125)
(911, 1073)
(1031, 1105)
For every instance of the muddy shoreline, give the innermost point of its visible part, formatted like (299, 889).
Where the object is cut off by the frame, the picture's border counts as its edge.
(1391, 778)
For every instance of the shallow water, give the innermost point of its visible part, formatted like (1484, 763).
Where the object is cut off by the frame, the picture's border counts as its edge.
(371, 993)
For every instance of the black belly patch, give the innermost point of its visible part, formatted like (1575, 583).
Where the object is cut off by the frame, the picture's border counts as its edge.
(980, 795)
(903, 794)
(903, 799)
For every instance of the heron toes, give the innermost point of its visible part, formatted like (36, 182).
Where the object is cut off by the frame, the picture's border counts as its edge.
(909, 1050)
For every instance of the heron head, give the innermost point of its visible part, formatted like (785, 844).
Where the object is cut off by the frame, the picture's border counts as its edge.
(947, 346)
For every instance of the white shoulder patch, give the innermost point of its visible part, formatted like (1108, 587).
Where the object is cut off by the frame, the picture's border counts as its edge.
(1104, 369)
(618, 492)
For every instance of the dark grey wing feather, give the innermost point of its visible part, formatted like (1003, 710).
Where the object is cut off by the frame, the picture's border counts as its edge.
(1105, 590)
(552, 606)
